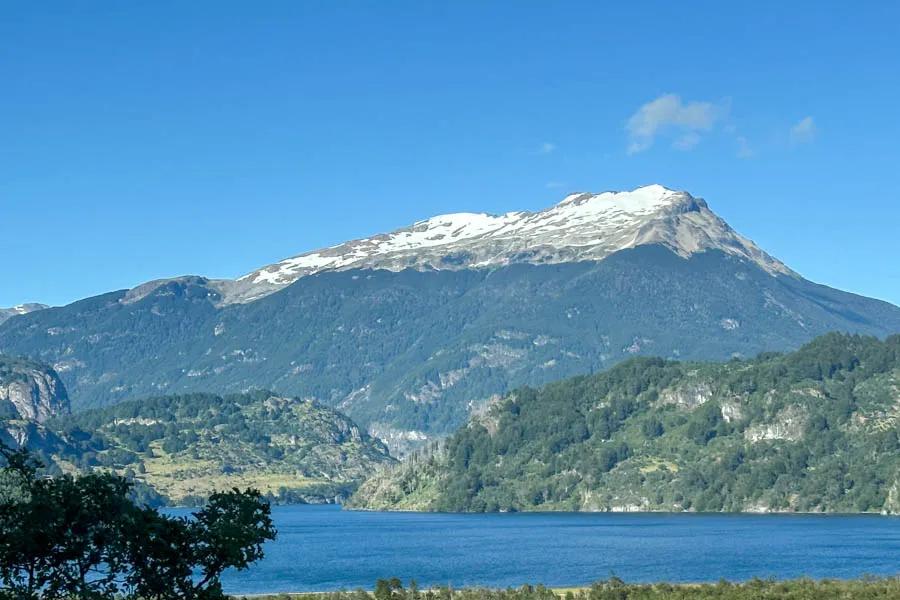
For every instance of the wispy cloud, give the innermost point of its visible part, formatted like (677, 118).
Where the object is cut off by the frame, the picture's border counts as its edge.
(668, 113)
(555, 185)
(744, 149)
(687, 141)
(546, 148)
(803, 131)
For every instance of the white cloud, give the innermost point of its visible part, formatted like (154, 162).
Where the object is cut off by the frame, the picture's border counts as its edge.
(803, 131)
(668, 113)
(547, 148)
(744, 150)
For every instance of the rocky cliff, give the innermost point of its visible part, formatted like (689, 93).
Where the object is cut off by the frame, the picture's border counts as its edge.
(30, 391)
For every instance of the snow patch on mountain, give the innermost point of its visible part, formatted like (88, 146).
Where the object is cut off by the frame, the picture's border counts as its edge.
(581, 227)
(20, 309)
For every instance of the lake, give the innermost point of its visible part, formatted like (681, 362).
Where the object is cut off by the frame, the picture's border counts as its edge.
(326, 548)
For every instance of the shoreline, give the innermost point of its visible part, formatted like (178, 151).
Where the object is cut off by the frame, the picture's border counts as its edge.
(557, 590)
(621, 512)
(847, 586)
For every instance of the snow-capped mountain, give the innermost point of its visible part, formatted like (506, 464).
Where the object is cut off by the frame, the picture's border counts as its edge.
(411, 330)
(582, 227)
(21, 309)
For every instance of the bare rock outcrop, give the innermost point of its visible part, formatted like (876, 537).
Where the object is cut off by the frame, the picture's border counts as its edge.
(30, 391)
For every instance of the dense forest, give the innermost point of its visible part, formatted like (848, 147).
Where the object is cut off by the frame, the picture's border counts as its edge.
(813, 430)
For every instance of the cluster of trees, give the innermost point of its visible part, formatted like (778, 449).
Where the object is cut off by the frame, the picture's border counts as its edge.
(86, 537)
(121, 435)
(181, 421)
(816, 429)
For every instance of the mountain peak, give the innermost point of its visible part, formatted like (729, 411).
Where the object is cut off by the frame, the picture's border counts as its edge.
(582, 227)
(644, 198)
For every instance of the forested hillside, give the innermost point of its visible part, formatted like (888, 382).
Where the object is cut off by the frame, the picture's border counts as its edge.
(184, 447)
(813, 430)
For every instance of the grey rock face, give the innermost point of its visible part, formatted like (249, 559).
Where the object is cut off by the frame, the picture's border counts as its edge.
(688, 396)
(34, 391)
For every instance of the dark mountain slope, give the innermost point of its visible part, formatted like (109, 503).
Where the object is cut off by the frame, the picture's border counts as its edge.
(413, 351)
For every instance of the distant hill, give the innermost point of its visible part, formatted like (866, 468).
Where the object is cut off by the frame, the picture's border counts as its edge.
(813, 430)
(21, 309)
(409, 332)
(178, 449)
(184, 447)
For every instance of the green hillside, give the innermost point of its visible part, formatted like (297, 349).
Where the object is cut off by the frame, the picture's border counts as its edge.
(814, 430)
(184, 447)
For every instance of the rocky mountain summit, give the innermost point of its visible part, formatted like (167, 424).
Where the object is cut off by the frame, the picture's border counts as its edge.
(582, 227)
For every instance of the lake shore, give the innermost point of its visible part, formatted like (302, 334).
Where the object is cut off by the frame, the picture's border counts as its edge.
(756, 589)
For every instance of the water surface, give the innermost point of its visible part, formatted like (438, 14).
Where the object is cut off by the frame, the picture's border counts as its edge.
(326, 548)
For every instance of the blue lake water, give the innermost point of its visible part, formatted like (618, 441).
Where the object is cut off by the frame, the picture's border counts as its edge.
(326, 548)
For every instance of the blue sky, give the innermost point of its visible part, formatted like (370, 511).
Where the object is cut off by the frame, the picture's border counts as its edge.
(144, 140)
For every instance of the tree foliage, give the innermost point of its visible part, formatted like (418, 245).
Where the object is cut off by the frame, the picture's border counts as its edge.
(84, 537)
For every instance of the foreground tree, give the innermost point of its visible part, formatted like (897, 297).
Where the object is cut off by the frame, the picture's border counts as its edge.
(84, 537)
